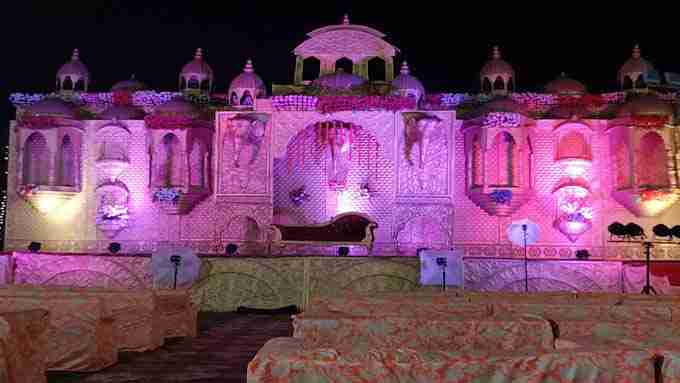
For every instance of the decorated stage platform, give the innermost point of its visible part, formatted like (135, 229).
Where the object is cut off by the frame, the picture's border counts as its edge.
(226, 283)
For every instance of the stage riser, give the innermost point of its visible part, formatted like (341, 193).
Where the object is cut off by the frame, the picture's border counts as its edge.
(227, 283)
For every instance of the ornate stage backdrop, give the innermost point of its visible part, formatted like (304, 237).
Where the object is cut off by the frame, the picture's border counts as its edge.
(203, 169)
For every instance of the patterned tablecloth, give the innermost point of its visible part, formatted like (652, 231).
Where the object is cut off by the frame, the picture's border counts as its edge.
(80, 336)
(283, 360)
(359, 334)
(136, 313)
(23, 346)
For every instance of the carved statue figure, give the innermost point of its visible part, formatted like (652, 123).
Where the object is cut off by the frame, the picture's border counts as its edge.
(246, 130)
(420, 129)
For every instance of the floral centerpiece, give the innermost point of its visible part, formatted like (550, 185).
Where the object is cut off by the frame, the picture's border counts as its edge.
(27, 190)
(298, 196)
(112, 213)
(167, 195)
(168, 121)
(501, 196)
(575, 213)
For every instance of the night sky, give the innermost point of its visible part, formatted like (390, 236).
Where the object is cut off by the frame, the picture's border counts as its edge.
(445, 48)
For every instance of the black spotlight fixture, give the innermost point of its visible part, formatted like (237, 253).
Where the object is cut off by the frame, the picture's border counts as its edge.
(582, 254)
(617, 229)
(662, 231)
(634, 230)
(343, 251)
(34, 247)
(114, 247)
(231, 249)
(675, 231)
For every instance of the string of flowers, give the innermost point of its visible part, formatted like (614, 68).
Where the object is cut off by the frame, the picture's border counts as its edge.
(498, 119)
(330, 104)
(295, 103)
(501, 196)
(650, 121)
(655, 195)
(168, 121)
(167, 195)
(37, 122)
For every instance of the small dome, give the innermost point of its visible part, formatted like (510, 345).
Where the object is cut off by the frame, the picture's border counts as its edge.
(122, 112)
(646, 105)
(339, 80)
(196, 74)
(407, 84)
(52, 107)
(131, 85)
(177, 106)
(496, 66)
(248, 79)
(564, 85)
(635, 65)
(74, 68)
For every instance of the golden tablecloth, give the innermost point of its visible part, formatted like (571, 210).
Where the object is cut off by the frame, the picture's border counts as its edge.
(284, 360)
(434, 333)
(23, 346)
(80, 336)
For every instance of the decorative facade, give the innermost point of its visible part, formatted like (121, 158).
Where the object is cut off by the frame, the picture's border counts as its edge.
(201, 169)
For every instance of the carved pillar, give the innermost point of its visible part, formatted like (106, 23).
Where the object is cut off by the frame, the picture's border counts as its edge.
(299, 68)
(327, 66)
(389, 69)
(670, 156)
(357, 69)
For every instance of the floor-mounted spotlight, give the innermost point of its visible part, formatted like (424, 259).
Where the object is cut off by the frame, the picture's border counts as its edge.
(627, 232)
(114, 247)
(343, 251)
(231, 249)
(34, 247)
(662, 231)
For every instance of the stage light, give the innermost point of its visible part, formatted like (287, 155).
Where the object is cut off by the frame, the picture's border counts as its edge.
(34, 247)
(343, 251)
(582, 254)
(231, 249)
(675, 231)
(634, 230)
(662, 230)
(114, 247)
(617, 229)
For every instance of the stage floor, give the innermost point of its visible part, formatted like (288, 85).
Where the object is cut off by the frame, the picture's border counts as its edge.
(226, 283)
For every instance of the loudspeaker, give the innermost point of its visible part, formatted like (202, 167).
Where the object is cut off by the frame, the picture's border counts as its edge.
(34, 247)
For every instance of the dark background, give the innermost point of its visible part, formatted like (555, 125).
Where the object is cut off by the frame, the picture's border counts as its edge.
(445, 46)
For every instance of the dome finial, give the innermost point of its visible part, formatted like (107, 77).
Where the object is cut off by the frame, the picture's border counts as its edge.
(404, 68)
(636, 51)
(76, 55)
(249, 66)
(496, 53)
(345, 19)
(199, 54)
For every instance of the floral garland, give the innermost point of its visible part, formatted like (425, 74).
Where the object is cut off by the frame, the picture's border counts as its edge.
(167, 195)
(655, 195)
(115, 214)
(121, 97)
(295, 103)
(498, 119)
(502, 196)
(28, 190)
(650, 122)
(331, 104)
(168, 121)
(298, 196)
(38, 122)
